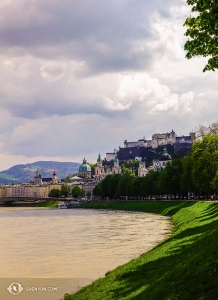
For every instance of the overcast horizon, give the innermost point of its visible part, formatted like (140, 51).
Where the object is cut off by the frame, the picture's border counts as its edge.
(80, 77)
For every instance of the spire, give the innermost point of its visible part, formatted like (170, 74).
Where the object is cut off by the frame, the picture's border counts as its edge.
(116, 160)
(99, 157)
(38, 175)
(164, 150)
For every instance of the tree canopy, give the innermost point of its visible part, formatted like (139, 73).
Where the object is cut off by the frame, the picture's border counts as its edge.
(76, 191)
(203, 32)
(205, 161)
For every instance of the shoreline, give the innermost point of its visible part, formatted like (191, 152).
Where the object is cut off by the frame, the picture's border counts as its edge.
(183, 264)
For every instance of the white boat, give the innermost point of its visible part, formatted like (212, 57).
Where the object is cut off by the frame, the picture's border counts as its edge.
(62, 205)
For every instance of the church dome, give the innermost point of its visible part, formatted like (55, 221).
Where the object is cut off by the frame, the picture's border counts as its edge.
(84, 167)
(164, 156)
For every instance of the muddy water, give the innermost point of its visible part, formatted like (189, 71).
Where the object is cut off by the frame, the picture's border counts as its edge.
(66, 249)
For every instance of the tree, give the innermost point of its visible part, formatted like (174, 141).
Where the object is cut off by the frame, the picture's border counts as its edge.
(127, 172)
(113, 184)
(88, 194)
(76, 191)
(203, 32)
(105, 186)
(202, 130)
(68, 177)
(215, 182)
(205, 162)
(65, 190)
(55, 193)
(122, 185)
(186, 177)
(97, 190)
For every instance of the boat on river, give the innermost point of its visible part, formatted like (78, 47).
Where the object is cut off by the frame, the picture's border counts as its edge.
(72, 204)
(62, 205)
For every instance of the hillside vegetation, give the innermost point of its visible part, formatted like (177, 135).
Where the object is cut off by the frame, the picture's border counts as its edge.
(184, 266)
(25, 173)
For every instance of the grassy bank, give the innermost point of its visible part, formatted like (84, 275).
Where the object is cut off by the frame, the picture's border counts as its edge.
(184, 266)
(47, 204)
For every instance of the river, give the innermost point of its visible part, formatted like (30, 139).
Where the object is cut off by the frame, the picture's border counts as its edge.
(54, 251)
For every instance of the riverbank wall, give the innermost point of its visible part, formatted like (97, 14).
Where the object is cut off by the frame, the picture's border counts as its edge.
(184, 266)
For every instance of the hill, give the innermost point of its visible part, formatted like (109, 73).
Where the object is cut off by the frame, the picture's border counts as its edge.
(25, 173)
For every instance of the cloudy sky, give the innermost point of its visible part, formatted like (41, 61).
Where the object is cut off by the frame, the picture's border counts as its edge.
(79, 77)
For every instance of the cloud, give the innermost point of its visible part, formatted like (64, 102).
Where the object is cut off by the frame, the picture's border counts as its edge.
(53, 71)
(80, 77)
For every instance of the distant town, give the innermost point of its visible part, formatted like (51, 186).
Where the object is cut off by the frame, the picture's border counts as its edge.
(147, 154)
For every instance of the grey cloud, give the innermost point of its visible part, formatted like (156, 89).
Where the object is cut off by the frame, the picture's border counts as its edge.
(82, 76)
(105, 34)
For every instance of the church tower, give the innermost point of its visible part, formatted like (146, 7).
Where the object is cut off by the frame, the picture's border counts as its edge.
(54, 177)
(38, 178)
(142, 170)
(116, 169)
(99, 169)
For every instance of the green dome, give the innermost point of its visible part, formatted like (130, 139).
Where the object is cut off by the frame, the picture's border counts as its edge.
(164, 156)
(84, 168)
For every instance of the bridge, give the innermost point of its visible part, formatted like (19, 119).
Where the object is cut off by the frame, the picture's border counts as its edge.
(10, 200)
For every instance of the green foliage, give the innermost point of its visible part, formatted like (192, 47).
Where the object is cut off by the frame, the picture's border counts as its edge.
(113, 185)
(68, 177)
(65, 190)
(127, 171)
(54, 193)
(203, 32)
(215, 182)
(76, 191)
(205, 162)
(130, 167)
(186, 176)
(169, 181)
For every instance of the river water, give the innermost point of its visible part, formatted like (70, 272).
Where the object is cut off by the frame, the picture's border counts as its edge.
(54, 251)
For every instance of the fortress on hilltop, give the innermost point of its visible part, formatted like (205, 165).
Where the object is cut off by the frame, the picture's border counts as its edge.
(146, 149)
(159, 139)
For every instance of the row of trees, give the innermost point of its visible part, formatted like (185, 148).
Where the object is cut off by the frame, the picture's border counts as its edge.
(197, 173)
(66, 191)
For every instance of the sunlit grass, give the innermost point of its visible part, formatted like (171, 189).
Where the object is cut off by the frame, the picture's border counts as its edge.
(47, 204)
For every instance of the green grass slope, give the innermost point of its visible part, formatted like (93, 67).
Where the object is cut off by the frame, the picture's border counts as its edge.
(184, 266)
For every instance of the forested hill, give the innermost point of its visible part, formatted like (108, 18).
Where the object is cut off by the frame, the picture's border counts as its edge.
(26, 173)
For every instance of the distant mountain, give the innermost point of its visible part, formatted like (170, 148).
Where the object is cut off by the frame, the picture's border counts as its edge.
(26, 173)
